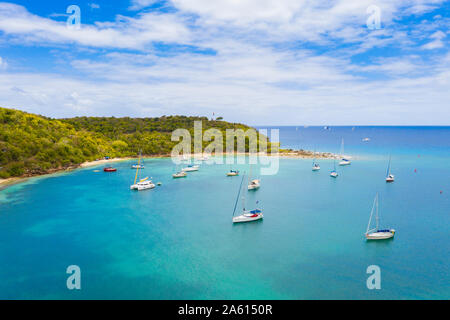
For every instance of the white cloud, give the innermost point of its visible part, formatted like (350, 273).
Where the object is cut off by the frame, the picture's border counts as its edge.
(437, 42)
(125, 32)
(262, 70)
(3, 64)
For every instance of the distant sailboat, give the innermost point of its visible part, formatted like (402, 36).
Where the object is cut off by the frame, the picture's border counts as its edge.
(179, 174)
(344, 161)
(315, 166)
(139, 165)
(334, 173)
(377, 233)
(190, 168)
(247, 215)
(389, 175)
(253, 184)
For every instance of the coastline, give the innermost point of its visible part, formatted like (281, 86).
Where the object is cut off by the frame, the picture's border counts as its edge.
(293, 154)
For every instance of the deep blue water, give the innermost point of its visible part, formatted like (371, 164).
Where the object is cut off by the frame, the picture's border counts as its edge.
(177, 241)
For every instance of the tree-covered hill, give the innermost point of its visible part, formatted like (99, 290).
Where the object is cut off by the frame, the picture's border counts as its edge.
(32, 144)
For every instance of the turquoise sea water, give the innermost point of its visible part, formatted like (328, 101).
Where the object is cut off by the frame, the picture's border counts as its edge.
(177, 241)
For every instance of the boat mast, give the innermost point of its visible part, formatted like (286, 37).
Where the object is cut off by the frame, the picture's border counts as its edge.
(377, 218)
(137, 169)
(239, 192)
(389, 167)
(375, 204)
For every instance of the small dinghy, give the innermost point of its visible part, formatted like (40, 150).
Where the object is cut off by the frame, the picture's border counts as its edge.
(247, 215)
(377, 233)
(109, 169)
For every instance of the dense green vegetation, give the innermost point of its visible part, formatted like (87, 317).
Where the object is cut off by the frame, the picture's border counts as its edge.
(32, 144)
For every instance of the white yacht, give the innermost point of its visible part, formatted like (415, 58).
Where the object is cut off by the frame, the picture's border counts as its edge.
(344, 161)
(143, 184)
(180, 174)
(190, 168)
(246, 215)
(254, 184)
(377, 233)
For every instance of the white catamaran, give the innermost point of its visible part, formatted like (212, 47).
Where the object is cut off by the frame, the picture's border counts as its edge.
(344, 161)
(143, 184)
(247, 215)
(389, 175)
(377, 233)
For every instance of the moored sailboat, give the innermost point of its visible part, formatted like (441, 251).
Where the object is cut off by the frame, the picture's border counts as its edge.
(377, 233)
(344, 161)
(247, 215)
(334, 173)
(142, 184)
(389, 175)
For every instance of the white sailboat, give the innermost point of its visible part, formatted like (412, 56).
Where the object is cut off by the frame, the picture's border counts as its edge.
(140, 164)
(142, 184)
(344, 161)
(315, 165)
(389, 175)
(377, 233)
(247, 215)
(179, 174)
(190, 168)
(334, 173)
(253, 184)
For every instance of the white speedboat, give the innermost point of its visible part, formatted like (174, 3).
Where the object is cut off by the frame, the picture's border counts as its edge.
(137, 166)
(377, 233)
(190, 168)
(233, 173)
(248, 216)
(315, 167)
(254, 184)
(143, 184)
(180, 174)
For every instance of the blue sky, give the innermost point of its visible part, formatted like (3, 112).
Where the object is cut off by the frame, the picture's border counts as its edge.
(267, 62)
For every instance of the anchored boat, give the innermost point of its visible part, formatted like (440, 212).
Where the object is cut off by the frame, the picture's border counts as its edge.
(389, 175)
(377, 233)
(247, 215)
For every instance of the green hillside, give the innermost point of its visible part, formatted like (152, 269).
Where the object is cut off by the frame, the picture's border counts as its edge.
(32, 144)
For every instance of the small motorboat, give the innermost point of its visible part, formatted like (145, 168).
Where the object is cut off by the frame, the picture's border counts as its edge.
(254, 184)
(316, 167)
(190, 168)
(390, 178)
(344, 162)
(180, 174)
(232, 173)
(248, 216)
(109, 169)
(137, 166)
(334, 174)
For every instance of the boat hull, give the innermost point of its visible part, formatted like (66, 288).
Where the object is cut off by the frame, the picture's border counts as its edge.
(380, 235)
(344, 163)
(247, 218)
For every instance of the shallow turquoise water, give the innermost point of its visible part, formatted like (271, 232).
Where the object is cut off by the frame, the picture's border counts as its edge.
(177, 241)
